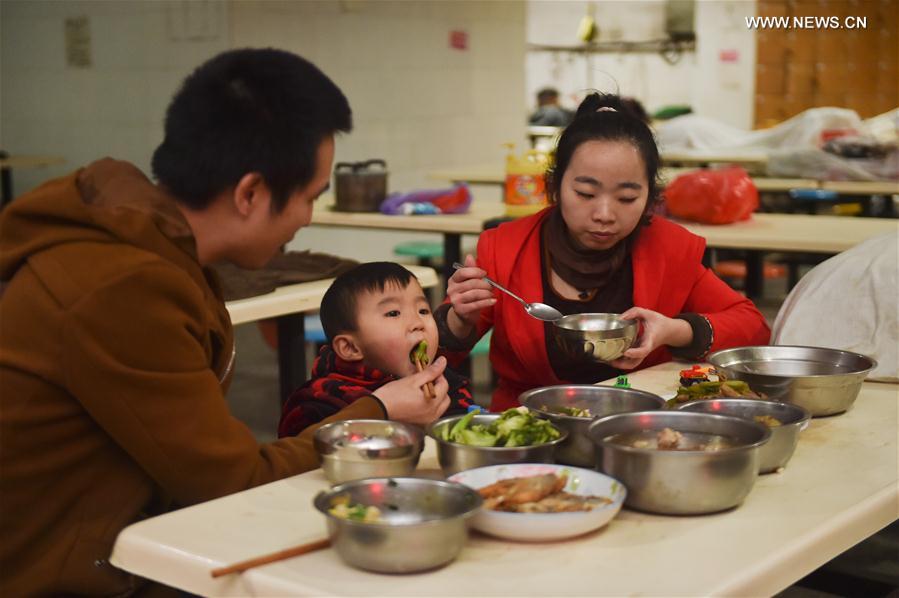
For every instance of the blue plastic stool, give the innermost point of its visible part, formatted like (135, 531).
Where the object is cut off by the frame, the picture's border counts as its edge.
(314, 331)
(812, 197)
(423, 251)
(483, 345)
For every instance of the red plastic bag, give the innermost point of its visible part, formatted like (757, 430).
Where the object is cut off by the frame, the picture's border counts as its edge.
(712, 196)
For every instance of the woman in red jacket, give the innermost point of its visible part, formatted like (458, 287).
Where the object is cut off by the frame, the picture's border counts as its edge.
(597, 248)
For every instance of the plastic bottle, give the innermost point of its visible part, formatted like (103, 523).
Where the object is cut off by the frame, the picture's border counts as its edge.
(525, 191)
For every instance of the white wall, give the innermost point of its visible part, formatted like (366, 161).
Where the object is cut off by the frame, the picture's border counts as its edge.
(417, 103)
(115, 107)
(716, 89)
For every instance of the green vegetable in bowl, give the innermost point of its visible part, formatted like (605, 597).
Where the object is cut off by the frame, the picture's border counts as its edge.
(572, 411)
(714, 390)
(515, 427)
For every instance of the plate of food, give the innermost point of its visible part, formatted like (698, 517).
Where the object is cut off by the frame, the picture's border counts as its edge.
(541, 501)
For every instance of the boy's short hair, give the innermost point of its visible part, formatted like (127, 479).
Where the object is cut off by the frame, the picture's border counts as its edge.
(339, 306)
(243, 111)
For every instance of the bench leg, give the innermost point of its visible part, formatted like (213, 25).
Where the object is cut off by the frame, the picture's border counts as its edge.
(291, 353)
(755, 272)
(452, 252)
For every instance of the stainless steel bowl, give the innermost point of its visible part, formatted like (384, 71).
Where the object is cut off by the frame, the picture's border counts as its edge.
(680, 482)
(368, 448)
(423, 523)
(455, 457)
(775, 453)
(578, 449)
(822, 381)
(593, 338)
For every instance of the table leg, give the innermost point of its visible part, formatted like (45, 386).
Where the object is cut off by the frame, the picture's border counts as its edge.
(5, 187)
(755, 274)
(291, 353)
(452, 252)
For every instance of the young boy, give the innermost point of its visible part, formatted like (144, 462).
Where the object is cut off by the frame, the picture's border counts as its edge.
(373, 316)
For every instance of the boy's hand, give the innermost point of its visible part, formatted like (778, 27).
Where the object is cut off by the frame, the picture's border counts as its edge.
(405, 399)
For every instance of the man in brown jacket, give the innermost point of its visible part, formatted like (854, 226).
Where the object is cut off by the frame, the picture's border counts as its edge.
(115, 345)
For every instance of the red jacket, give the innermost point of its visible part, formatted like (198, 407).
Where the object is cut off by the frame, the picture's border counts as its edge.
(668, 278)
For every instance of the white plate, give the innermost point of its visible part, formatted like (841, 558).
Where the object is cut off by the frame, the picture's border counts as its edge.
(544, 526)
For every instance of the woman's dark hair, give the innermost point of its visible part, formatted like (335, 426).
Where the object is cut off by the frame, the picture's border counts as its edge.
(338, 311)
(592, 123)
(243, 111)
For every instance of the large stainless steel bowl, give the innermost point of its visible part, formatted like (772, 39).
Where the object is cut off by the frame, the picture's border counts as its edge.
(455, 457)
(680, 482)
(368, 448)
(578, 449)
(775, 453)
(822, 381)
(593, 338)
(423, 523)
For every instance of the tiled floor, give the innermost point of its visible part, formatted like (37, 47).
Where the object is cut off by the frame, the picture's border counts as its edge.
(870, 569)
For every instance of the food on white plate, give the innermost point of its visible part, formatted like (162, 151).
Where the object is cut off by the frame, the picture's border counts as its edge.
(537, 494)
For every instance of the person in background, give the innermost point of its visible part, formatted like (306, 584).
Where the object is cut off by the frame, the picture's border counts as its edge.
(374, 317)
(597, 248)
(855, 292)
(116, 349)
(549, 113)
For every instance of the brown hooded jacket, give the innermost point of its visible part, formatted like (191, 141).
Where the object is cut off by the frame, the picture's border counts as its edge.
(115, 354)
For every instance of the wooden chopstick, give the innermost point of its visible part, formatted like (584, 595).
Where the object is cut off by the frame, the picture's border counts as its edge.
(272, 557)
(429, 386)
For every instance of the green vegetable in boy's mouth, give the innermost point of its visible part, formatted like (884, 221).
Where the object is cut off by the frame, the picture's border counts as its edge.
(420, 353)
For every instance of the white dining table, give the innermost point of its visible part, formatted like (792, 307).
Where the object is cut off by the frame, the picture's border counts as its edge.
(841, 486)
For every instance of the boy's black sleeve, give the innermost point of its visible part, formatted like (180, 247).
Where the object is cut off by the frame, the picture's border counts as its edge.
(459, 393)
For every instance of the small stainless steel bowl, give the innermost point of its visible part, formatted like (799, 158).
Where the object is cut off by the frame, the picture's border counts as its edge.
(578, 449)
(423, 523)
(822, 381)
(673, 482)
(593, 338)
(368, 448)
(775, 453)
(455, 457)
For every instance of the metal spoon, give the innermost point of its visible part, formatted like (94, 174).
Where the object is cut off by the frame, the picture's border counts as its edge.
(541, 311)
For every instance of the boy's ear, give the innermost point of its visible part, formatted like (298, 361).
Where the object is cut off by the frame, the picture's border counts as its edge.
(346, 348)
(251, 193)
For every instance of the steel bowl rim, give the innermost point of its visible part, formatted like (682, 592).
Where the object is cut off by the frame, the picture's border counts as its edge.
(565, 417)
(335, 490)
(802, 376)
(563, 435)
(766, 436)
(344, 453)
(627, 323)
(805, 414)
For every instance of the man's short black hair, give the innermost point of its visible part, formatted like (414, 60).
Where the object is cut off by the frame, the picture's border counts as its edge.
(243, 111)
(339, 306)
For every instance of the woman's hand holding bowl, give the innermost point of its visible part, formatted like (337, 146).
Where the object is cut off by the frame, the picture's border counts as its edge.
(657, 330)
